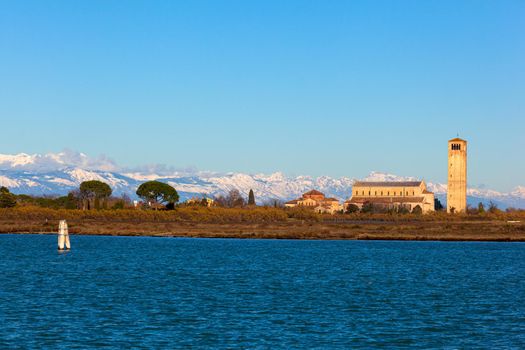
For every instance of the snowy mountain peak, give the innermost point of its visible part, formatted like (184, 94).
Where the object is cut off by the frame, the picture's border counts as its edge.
(16, 160)
(379, 176)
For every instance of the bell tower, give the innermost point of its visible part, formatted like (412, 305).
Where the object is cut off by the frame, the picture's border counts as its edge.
(457, 176)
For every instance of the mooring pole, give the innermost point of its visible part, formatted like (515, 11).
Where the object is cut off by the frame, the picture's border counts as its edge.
(63, 236)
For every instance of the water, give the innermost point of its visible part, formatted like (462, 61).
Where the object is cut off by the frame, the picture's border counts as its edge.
(122, 292)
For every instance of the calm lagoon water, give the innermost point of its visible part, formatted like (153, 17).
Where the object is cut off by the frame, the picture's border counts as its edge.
(122, 292)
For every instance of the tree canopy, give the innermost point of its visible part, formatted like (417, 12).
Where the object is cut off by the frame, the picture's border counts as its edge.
(7, 199)
(232, 200)
(95, 190)
(157, 192)
(352, 208)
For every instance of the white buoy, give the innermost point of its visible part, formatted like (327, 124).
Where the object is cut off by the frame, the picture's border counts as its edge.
(63, 236)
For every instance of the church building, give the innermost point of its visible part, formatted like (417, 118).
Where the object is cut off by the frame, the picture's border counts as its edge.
(392, 195)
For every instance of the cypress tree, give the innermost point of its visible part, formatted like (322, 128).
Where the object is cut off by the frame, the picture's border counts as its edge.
(251, 198)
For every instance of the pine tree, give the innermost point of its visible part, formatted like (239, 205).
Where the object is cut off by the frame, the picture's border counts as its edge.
(481, 208)
(251, 198)
(7, 199)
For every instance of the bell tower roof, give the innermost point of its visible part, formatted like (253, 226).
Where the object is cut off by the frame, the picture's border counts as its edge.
(457, 139)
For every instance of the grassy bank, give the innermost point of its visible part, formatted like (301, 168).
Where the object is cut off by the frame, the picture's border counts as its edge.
(266, 223)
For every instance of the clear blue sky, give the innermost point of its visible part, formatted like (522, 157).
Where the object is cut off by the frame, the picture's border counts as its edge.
(335, 88)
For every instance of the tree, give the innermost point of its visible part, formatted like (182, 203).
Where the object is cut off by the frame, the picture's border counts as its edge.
(235, 199)
(232, 200)
(437, 205)
(94, 191)
(402, 210)
(493, 207)
(367, 207)
(66, 202)
(122, 203)
(352, 208)
(251, 198)
(7, 199)
(417, 210)
(481, 208)
(156, 192)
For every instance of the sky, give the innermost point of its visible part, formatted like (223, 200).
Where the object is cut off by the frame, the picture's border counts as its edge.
(336, 88)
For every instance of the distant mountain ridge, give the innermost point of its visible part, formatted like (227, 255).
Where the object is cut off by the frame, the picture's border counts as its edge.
(59, 173)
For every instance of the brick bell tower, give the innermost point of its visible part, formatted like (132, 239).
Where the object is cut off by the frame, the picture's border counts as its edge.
(457, 176)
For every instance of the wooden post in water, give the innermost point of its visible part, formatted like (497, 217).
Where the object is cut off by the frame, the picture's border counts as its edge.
(63, 236)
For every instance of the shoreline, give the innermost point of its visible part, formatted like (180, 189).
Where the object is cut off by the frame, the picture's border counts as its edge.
(361, 239)
(268, 223)
(377, 231)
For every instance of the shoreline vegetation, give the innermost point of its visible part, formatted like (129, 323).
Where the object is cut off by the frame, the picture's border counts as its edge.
(267, 223)
(91, 210)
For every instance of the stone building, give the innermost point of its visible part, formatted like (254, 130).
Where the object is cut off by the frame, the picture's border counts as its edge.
(204, 201)
(318, 201)
(392, 195)
(457, 176)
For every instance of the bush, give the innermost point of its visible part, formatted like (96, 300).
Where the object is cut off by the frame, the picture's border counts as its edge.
(7, 199)
(352, 208)
(367, 208)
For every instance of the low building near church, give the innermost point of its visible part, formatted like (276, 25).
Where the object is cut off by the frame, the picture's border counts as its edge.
(316, 200)
(204, 201)
(392, 195)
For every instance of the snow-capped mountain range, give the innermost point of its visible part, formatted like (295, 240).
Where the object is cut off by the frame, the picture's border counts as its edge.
(59, 173)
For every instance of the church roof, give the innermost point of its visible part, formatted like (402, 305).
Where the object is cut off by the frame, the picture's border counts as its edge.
(387, 183)
(314, 192)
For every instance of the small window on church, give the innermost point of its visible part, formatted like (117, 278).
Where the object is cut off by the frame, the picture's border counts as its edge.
(356, 193)
(381, 192)
(369, 193)
(375, 193)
